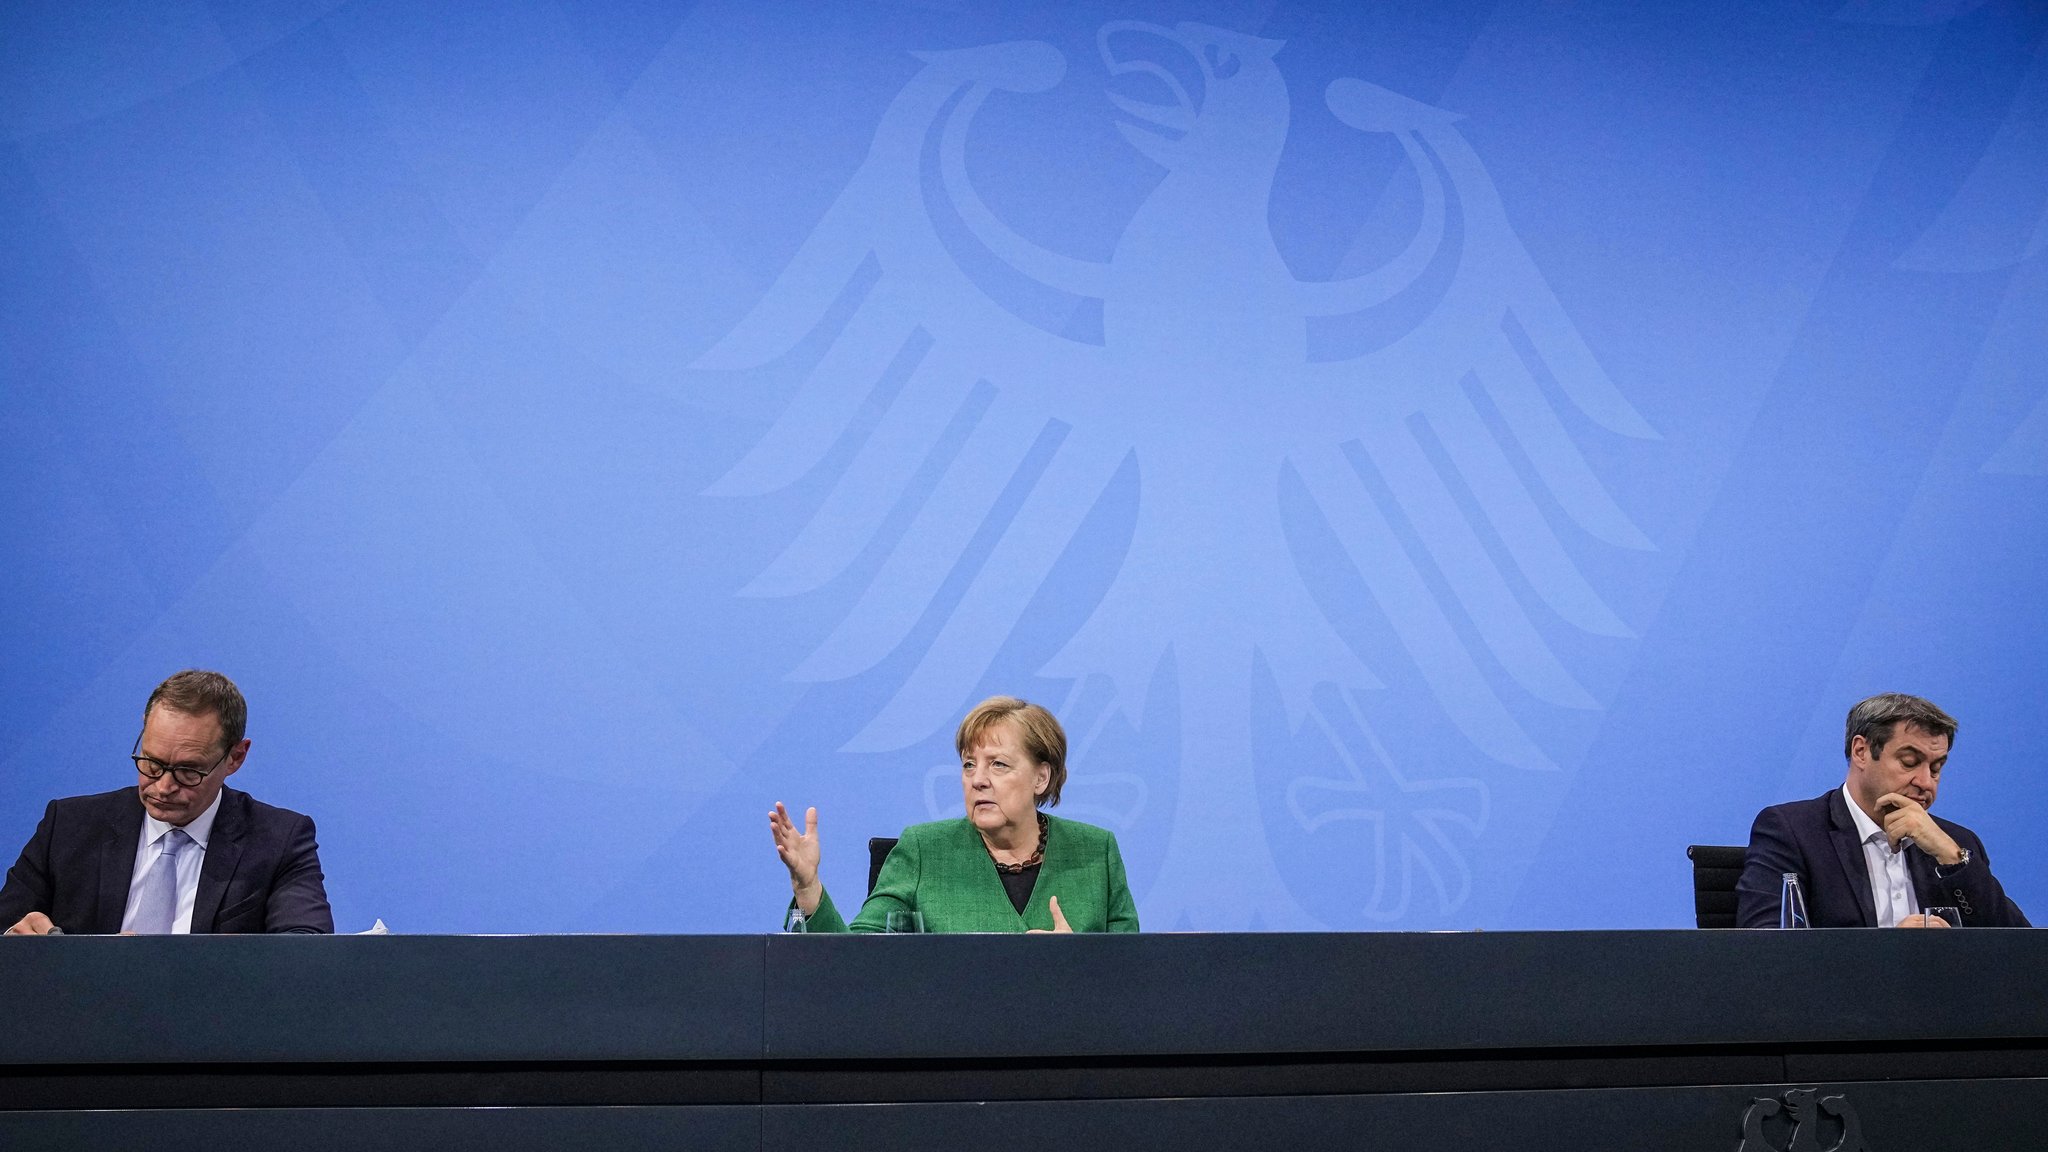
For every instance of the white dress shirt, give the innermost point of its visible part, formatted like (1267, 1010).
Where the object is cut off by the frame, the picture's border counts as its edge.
(150, 845)
(1891, 884)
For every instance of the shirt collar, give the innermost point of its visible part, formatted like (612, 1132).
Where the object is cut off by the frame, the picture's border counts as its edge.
(200, 829)
(1865, 826)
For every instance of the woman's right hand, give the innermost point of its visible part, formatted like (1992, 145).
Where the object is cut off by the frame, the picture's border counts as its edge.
(799, 852)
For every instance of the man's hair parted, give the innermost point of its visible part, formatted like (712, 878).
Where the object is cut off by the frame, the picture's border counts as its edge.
(197, 692)
(1877, 718)
(1044, 740)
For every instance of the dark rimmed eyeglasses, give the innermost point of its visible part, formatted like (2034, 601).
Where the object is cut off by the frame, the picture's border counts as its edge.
(184, 774)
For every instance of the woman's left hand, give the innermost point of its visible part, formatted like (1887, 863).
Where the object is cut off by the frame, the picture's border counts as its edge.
(1059, 921)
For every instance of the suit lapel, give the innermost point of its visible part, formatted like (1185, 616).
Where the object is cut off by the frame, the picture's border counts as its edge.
(1849, 850)
(223, 851)
(1926, 884)
(990, 881)
(117, 863)
(987, 898)
(1059, 857)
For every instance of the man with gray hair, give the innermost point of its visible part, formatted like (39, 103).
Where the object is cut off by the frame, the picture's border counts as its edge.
(1870, 854)
(178, 850)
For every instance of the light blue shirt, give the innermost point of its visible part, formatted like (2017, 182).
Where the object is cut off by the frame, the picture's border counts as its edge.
(150, 845)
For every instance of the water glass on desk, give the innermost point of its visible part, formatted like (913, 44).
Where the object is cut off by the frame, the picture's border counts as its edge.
(795, 921)
(1950, 917)
(902, 921)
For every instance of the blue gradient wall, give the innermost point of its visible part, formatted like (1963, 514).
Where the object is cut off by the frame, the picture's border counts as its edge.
(1439, 459)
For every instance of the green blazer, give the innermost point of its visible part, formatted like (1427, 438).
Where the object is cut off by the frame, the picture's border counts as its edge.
(942, 870)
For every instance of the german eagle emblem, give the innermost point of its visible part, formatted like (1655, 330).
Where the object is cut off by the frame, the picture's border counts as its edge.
(1440, 458)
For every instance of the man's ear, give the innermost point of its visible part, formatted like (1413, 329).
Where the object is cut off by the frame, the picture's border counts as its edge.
(235, 759)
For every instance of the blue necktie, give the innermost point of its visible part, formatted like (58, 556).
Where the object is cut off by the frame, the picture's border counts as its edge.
(156, 908)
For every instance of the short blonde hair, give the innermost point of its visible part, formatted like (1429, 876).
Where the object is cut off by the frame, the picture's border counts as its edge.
(1043, 738)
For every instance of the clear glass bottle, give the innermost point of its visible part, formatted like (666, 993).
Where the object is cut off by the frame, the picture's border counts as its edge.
(1792, 903)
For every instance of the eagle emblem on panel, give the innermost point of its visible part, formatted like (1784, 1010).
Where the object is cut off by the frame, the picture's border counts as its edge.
(1438, 458)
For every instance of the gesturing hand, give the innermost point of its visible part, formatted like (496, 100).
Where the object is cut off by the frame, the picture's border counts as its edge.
(1903, 816)
(1059, 921)
(799, 852)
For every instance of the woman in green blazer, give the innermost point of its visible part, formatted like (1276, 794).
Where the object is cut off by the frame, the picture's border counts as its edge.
(1006, 867)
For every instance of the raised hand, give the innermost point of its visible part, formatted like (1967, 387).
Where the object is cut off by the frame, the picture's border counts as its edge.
(1059, 920)
(800, 854)
(1903, 816)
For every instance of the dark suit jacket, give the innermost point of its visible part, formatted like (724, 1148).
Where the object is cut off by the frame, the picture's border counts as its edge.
(262, 869)
(1817, 839)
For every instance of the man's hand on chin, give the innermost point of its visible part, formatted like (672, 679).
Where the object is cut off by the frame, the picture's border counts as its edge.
(33, 924)
(1904, 817)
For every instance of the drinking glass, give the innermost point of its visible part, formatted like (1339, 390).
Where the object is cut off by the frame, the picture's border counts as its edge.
(1949, 916)
(796, 921)
(900, 921)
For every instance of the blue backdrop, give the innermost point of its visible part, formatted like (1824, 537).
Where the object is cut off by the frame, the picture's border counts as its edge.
(1439, 459)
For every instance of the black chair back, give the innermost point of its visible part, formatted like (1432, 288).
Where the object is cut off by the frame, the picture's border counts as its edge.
(878, 851)
(1715, 869)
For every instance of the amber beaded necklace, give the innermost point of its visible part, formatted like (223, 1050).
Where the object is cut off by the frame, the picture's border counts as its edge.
(1037, 856)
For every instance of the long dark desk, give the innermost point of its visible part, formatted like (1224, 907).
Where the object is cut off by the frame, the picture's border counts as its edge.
(1583, 1040)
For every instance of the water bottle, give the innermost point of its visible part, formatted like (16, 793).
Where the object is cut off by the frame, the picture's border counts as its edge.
(1792, 903)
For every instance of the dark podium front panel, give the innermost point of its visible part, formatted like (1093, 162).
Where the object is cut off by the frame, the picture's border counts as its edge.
(1725, 1040)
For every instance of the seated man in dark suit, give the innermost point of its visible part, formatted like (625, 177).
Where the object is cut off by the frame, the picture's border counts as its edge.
(180, 851)
(1869, 854)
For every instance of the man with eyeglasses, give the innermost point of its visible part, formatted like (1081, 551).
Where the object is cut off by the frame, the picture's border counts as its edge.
(180, 851)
